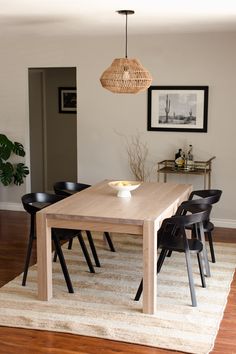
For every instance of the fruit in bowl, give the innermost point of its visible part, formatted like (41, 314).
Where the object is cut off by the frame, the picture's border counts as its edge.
(124, 187)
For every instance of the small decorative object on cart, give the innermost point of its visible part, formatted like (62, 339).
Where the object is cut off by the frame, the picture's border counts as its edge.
(177, 155)
(185, 160)
(190, 160)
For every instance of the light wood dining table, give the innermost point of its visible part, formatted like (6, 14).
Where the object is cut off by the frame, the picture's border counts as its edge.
(99, 209)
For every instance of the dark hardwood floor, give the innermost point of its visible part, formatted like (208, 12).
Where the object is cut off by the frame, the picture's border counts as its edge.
(14, 228)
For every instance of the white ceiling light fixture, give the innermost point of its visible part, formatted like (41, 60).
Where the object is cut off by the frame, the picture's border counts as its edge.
(126, 75)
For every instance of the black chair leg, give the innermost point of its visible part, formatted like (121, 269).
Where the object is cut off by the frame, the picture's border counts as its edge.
(161, 259)
(93, 249)
(139, 291)
(29, 248)
(201, 269)
(27, 261)
(211, 247)
(109, 241)
(159, 265)
(70, 244)
(55, 256)
(63, 263)
(190, 278)
(85, 252)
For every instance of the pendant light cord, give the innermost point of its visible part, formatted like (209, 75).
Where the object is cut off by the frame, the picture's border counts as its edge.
(126, 13)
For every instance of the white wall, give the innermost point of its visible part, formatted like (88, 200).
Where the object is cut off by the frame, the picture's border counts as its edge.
(190, 59)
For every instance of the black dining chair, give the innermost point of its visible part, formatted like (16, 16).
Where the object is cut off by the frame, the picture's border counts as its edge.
(172, 237)
(66, 189)
(32, 203)
(207, 196)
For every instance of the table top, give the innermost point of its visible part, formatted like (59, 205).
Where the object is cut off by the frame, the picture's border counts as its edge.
(100, 203)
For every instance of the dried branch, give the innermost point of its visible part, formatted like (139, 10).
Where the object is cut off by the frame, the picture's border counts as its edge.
(137, 156)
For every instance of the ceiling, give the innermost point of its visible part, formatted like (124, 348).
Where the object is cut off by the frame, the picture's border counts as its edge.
(95, 17)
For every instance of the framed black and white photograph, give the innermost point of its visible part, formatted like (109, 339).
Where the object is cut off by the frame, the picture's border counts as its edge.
(67, 99)
(178, 108)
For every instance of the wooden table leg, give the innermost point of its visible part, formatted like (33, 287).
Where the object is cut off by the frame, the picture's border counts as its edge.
(149, 266)
(44, 258)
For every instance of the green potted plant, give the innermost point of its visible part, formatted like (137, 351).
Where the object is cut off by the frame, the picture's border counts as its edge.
(11, 172)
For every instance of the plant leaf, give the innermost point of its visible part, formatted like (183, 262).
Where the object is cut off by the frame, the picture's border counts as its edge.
(18, 149)
(6, 147)
(6, 173)
(21, 171)
(11, 172)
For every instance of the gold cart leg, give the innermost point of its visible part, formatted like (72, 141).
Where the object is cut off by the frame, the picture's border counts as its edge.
(165, 177)
(205, 179)
(209, 180)
(209, 176)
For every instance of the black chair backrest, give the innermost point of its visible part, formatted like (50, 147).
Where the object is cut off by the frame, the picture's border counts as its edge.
(33, 202)
(208, 196)
(67, 188)
(192, 205)
(198, 213)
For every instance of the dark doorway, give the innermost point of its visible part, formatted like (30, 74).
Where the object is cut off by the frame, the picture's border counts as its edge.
(53, 134)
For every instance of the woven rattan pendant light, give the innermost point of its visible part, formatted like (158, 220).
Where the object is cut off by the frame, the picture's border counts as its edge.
(126, 75)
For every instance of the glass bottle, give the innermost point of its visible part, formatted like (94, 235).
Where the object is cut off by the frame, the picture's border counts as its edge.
(177, 155)
(190, 160)
(183, 160)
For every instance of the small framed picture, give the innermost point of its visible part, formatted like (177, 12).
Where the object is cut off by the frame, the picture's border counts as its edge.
(67, 99)
(178, 108)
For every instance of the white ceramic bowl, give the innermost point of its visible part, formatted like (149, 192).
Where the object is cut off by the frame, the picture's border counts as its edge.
(124, 187)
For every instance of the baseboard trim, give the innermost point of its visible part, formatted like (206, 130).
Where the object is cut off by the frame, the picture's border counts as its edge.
(227, 223)
(11, 206)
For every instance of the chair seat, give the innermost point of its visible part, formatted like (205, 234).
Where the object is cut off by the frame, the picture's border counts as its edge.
(65, 234)
(176, 243)
(208, 226)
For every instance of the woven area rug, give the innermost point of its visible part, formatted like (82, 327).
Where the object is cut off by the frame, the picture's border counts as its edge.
(103, 305)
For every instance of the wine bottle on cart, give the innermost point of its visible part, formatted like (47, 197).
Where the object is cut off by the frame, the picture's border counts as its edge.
(177, 156)
(190, 160)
